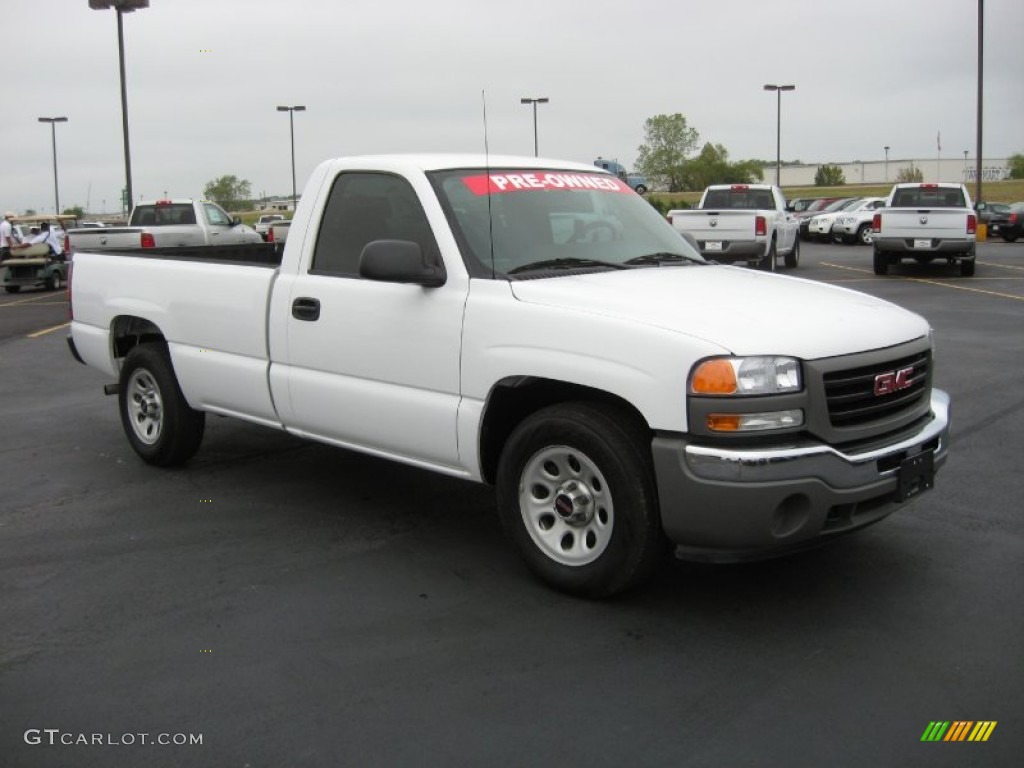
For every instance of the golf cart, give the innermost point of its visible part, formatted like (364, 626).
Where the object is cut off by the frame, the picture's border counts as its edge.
(34, 265)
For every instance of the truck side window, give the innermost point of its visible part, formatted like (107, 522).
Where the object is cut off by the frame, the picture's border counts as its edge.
(361, 208)
(216, 216)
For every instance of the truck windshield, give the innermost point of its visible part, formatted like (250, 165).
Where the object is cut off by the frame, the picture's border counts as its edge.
(509, 222)
(739, 199)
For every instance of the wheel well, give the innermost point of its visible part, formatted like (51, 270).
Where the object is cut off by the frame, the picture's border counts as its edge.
(513, 399)
(128, 332)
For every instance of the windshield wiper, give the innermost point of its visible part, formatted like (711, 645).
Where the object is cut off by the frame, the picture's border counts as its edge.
(664, 257)
(566, 262)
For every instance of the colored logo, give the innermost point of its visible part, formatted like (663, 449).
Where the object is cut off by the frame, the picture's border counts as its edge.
(958, 730)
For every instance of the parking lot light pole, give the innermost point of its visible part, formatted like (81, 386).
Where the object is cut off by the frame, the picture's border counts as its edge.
(886, 164)
(291, 124)
(778, 127)
(53, 135)
(534, 102)
(122, 7)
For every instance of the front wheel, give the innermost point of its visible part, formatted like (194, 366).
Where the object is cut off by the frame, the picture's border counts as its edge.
(793, 257)
(864, 236)
(641, 189)
(161, 427)
(55, 283)
(12, 288)
(576, 494)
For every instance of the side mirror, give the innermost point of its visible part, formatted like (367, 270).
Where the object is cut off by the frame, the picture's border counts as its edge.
(399, 261)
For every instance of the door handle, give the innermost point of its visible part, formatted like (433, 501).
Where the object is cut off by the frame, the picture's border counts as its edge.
(305, 308)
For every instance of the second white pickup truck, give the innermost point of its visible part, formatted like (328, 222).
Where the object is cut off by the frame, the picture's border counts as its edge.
(925, 222)
(167, 223)
(535, 325)
(742, 223)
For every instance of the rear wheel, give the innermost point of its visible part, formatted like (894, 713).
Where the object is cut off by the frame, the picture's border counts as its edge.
(768, 261)
(55, 283)
(967, 267)
(793, 257)
(576, 494)
(12, 288)
(1010, 238)
(641, 189)
(881, 263)
(161, 427)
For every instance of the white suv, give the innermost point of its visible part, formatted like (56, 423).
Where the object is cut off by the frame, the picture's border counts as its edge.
(854, 225)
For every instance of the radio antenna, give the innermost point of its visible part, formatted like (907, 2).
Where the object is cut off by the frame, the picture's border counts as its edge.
(487, 171)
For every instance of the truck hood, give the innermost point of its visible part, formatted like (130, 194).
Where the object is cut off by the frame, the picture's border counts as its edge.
(743, 311)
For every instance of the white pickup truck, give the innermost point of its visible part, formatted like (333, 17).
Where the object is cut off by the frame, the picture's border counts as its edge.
(925, 222)
(535, 325)
(167, 223)
(742, 222)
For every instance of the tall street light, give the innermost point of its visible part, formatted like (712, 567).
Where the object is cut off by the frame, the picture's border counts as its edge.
(53, 135)
(291, 124)
(535, 102)
(778, 127)
(122, 7)
(886, 164)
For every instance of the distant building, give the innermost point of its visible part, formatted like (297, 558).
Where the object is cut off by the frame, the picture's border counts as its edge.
(948, 169)
(280, 204)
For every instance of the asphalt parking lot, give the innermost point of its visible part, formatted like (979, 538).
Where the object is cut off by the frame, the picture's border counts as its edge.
(294, 604)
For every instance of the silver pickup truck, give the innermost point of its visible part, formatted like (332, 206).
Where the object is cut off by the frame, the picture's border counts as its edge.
(164, 223)
(925, 222)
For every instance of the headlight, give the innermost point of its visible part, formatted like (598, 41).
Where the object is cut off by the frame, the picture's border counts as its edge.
(746, 376)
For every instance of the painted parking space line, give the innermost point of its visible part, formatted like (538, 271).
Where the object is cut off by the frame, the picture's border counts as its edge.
(954, 286)
(30, 299)
(37, 334)
(1003, 266)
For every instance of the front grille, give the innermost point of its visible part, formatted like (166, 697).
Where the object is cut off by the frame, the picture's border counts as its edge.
(851, 394)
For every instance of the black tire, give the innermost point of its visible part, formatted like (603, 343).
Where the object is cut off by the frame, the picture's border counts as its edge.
(881, 263)
(864, 236)
(641, 189)
(767, 262)
(793, 257)
(966, 267)
(12, 288)
(161, 427)
(576, 494)
(1010, 238)
(54, 282)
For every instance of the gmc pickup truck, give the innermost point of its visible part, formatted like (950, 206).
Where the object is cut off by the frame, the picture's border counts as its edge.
(925, 222)
(534, 325)
(164, 223)
(742, 222)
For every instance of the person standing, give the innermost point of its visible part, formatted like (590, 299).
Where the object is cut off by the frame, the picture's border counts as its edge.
(7, 238)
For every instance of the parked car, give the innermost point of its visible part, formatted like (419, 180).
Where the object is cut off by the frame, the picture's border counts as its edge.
(993, 215)
(800, 204)
(854, 224)
(819, 226)
(804, 216)
(265, 222)
(1014, 226)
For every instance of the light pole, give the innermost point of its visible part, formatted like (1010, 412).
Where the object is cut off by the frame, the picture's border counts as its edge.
(965, 166)
(535, 102)
(778, 126)
(291, 124)
(122, 7)
(53, 135)
(886, 164)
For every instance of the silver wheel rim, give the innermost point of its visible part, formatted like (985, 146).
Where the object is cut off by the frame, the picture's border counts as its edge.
(566, 505)
(865, 237)
(145, 406)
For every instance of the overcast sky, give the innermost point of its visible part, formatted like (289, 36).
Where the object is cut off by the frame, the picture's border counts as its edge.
(204, 78)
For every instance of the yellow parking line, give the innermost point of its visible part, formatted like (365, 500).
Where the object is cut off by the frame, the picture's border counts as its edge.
(1004, 266)
(38, 297)
(935, 282)
(45, 331)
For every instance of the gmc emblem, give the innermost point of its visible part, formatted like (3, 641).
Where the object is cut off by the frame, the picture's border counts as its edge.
(893, 381)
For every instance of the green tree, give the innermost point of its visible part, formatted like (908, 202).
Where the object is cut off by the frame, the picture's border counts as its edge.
(1016, 163)
(712, 166)
(909, 174)
(75, 210)
(829, 176)
(668, 139)
(229, 191)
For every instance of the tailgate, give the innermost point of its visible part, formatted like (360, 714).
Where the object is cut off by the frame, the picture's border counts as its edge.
(716, 225)
(931, 223)
(105, 238)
